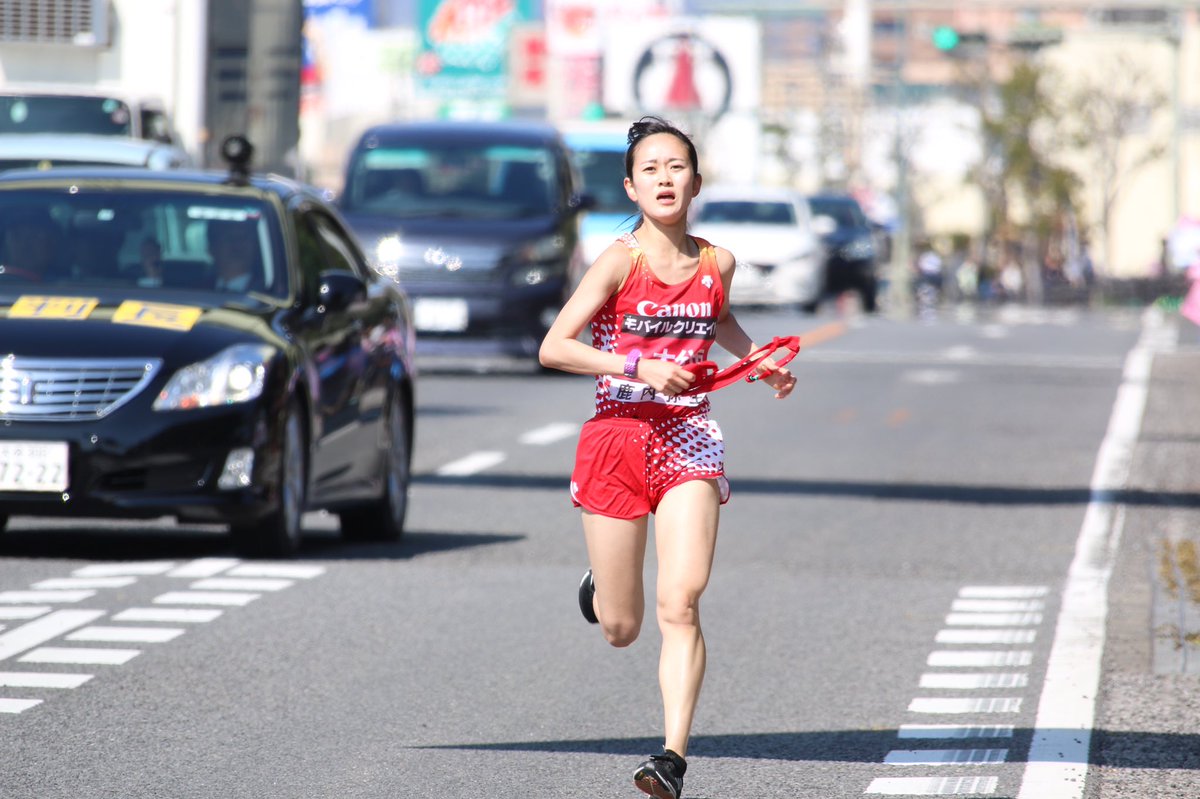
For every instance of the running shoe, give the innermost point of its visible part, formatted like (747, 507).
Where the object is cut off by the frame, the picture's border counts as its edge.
(587, 590)
(661, 776)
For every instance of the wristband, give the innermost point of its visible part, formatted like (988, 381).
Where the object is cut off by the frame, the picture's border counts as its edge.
(631, 363)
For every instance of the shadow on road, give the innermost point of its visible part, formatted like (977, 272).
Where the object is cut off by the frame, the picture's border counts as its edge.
(864, 489)
(72, 541)
(1111, 748)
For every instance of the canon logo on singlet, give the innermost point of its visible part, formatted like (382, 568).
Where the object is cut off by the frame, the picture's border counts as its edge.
(694, 310)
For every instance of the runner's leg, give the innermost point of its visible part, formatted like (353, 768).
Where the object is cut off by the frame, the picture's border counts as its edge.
(617, 553)
(685, 533)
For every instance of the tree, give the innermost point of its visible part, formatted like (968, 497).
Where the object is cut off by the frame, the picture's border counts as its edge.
(1028, 194)
(1108, 117)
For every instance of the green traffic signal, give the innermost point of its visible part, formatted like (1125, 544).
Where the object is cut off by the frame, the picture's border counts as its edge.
(945, 37)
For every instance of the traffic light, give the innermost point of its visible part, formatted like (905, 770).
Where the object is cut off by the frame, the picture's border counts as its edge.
(952, 41)
(945, 38)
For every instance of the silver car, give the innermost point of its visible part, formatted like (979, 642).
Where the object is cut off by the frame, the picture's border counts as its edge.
(769, 230)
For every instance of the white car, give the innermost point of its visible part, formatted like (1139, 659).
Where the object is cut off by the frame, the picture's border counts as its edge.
(769, 231)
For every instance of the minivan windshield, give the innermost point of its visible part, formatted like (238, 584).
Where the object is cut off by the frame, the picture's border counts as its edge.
(47, 113)
(454, 181)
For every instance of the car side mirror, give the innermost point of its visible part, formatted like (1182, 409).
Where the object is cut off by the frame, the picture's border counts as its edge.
(582, 202)
(340, 289)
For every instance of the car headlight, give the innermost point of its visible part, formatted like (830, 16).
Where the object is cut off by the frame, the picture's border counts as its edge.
(539, 260)
(858, 249)
(235, 374)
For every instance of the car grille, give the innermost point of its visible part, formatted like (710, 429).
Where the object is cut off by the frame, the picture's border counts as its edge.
(59, 390)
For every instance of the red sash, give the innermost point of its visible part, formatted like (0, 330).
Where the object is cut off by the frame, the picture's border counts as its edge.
(710, 378)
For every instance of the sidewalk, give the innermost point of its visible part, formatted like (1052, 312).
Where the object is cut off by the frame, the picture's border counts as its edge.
(1148, 714)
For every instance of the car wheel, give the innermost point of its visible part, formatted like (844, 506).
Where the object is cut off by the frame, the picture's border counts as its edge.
(383, 518)
(277, 535)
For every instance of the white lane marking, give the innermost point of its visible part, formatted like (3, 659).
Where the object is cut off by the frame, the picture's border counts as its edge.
(471, 464)
(80, 656)
(997, 605)
(944, 757)
(204, 598)
(38, 631)
(961, 636)
(994, 619)
(127, 635)
(23, 597)
(998, 704)
(204, 567)
(961, 352)
(931, 377)
(940, 731)
(39, 679)
(1003, 591)
(967, 682)
(59, 583)
(31, 612)
(197, 615)
(549, 434)
(1058, 757)
(933, 786)
(134, 569)
(242, 584)
(978, 659)
(286, 570)
(18, 705)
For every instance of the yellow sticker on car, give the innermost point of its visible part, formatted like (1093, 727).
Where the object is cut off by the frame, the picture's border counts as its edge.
(30, 306)
(157, 314)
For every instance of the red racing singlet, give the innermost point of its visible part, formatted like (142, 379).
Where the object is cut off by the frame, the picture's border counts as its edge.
(672, 322)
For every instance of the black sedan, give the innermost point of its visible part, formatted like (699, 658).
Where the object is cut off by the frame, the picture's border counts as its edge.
(206, 346)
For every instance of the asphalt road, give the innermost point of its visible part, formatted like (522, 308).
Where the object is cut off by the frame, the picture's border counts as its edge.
(882, 619)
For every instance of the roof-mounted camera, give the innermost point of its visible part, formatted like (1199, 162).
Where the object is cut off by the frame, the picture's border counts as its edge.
(237, 152)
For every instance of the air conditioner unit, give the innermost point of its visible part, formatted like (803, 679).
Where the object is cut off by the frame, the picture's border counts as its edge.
(82, 23)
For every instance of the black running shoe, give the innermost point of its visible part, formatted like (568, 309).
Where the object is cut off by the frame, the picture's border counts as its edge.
(587, 590)
(661, 776)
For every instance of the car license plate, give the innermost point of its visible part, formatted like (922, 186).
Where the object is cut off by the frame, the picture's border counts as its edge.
(33, 466)
(440, 314)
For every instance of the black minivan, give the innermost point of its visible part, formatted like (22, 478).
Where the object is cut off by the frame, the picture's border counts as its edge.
(479, 221)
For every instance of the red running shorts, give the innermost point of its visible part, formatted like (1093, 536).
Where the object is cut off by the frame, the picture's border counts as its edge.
(624, 467)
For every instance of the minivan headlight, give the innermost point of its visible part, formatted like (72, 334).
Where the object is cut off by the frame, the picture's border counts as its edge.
(547, 248)
(235, 374)
(861, 247)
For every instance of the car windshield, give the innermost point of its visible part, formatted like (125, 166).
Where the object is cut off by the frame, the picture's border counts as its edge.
(139, 239)
(603, 173)
(748, 211)
(845, 213)
(434, 180)
(64, 114)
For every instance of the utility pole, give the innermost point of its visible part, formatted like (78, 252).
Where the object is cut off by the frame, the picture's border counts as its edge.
(900, 296)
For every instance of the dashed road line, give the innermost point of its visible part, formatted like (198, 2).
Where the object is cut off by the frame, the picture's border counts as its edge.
(939, 731)
(205, 598)
(61, 583)
(944, 757)
(979, 659)
(970, 682)
(203, 567)
(943, 706)
(549, 434)
(37, 632)
(933, 786)
(242, 584)
(967, 636)
(25, 597)
(472, 464)
(994, 619)
(172, 615)
(41, 679)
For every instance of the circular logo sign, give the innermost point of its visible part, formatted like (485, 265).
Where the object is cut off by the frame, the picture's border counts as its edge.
(682, 73)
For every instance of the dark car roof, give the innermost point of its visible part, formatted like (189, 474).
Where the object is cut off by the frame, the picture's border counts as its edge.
(464, 131)
(282, 187)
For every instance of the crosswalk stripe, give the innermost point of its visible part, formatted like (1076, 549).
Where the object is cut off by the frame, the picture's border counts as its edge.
(242, 584)
(169, 614)
(144, 635)
(58, 583)
(39, 679)
(933, 786)
(204, 598)
(944, 757)
(203, 567)
(17, 705)
(97, 657)
(134, 569)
